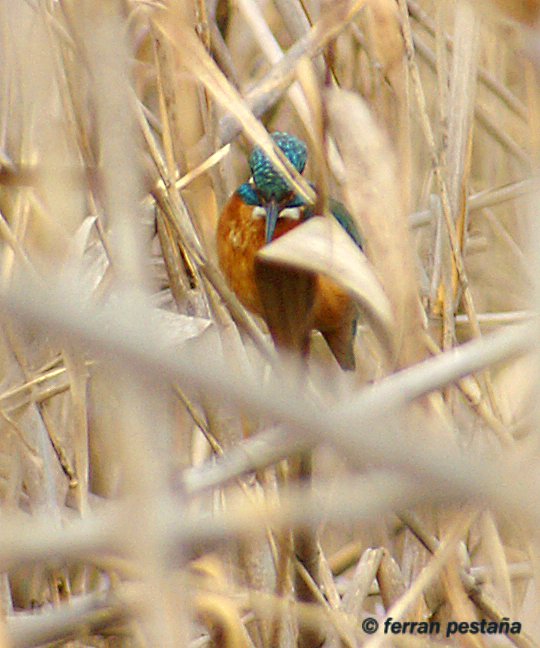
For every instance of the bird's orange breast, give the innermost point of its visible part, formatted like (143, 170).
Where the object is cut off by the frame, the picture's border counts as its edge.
(240, 236)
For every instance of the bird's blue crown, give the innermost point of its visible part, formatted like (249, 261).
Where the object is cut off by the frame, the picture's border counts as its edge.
(267, 181)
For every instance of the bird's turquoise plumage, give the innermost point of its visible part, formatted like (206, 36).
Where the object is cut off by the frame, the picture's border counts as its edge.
(266, 184)
(341, 214)
(249, 194)
(269, 182)
(292, 302)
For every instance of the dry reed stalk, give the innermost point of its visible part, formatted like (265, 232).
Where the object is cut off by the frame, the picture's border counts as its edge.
(372, 193)
(143, 348)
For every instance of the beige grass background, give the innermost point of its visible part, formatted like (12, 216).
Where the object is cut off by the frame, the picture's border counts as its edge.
(145, 418)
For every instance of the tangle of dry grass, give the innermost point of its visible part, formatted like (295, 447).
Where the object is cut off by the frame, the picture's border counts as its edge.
(148, 428)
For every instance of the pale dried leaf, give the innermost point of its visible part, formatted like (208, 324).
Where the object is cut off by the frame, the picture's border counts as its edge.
(86, 259)
(177, 329)
(94, 266)
(321, 245)
(80, 240)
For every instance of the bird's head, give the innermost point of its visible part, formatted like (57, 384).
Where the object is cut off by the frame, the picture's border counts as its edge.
(267, 187)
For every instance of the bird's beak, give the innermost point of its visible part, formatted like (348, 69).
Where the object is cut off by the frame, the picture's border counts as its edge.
(272, 214)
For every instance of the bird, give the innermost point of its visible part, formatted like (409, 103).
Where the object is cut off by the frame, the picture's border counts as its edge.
(292, 302)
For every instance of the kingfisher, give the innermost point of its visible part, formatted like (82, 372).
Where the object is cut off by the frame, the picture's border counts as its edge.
(292, 302)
